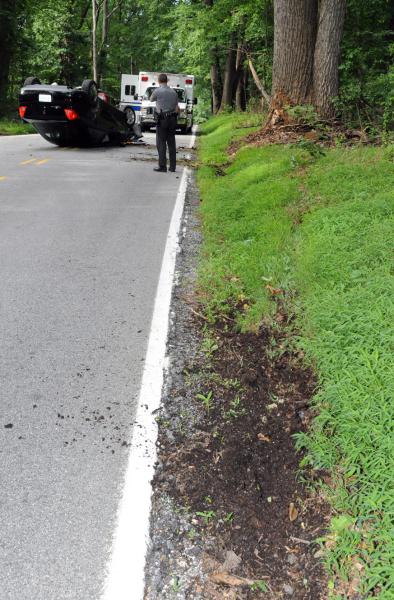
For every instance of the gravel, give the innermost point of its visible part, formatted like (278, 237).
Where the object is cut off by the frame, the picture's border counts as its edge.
(175, 555)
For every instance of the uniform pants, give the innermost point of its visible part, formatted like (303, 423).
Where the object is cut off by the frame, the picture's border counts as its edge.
(165, 136)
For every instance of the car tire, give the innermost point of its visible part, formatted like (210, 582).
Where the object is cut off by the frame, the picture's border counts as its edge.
(183, 129)
(130, 116)
(32, 81)
(90, 88)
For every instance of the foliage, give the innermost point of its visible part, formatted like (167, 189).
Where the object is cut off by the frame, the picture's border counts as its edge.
(321, 237)
(52, 39)
(12, 127)
(367, 53)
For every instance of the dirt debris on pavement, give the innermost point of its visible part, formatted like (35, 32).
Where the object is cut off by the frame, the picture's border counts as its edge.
(231, 518)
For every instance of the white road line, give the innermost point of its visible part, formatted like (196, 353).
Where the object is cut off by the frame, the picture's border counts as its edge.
(193, 138)
(125, 574)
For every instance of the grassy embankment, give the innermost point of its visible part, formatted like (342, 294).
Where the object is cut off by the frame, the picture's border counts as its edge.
(15, 127)
(322, 230)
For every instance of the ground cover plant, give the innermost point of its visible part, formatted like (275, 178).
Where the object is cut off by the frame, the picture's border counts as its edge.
(14, 127)
(313, 233)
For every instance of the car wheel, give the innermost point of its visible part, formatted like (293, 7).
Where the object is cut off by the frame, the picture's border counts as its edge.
(90, 88)
(130, 116)
(32, 81)
(183, 129)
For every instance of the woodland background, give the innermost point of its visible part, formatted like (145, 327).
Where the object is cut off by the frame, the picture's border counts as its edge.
(220, 41)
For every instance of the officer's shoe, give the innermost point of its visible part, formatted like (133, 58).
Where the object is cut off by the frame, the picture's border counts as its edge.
(172, 170)
(160, 170)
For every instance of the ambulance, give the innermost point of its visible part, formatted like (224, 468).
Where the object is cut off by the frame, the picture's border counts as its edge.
(136, 91)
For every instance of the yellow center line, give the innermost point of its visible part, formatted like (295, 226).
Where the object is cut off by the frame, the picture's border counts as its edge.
(2, 177)
(26, 162)
(43, 161)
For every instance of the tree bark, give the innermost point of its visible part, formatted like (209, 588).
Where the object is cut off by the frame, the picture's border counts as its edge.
(240, 100)
(216, 75)
(94, 39)
(294, 42)
(229, 75)
(327, 54)
(216, 83)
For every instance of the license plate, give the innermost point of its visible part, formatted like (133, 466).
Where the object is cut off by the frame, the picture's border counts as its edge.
(44, 98)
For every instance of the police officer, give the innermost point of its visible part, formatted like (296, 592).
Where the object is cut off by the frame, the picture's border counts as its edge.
(167, 110)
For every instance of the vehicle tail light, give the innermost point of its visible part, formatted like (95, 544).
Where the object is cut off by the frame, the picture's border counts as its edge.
(22, 110)
(144, 78)
(103, 96)
(71, 114)
(189, 81)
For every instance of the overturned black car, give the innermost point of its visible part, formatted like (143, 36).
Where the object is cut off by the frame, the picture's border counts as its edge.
(80, 116)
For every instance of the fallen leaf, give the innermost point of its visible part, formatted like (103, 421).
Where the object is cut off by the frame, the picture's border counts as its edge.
(231, 562)
(263, 438)
(274, 291)
(293, 512)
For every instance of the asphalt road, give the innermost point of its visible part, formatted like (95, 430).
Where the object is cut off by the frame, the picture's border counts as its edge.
(82, 234)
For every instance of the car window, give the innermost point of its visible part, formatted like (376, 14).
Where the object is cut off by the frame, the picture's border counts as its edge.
(181, 94)
(148, 93)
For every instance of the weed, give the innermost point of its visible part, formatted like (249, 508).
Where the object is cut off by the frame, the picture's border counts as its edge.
(192, 534)
(336, 267)
(206, 515)
(219, 436)
(209, 346)
(15, 127)
(259, 586)
(303, 114)
(175, 584)
(229, 518)
(313, 149)
(207, 400)
(235, 409)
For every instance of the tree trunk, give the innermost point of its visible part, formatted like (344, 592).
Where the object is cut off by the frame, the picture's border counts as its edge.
(216, 76)
(7, 42)
(229, 76)
(216, 83)
(94, 39)
(240, 101)
(327, 54)
(294, 42)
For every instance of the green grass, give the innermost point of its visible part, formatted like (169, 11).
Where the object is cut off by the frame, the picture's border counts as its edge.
(321, 229)
(15, 127)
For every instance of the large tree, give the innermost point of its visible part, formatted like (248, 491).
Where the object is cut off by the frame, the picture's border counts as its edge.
(307, 35)
(8, 23)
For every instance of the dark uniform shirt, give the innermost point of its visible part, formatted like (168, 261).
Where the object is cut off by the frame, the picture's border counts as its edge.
(166, 99)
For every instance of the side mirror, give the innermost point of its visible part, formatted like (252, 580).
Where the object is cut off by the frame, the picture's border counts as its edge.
(135, 96)
(195, 101)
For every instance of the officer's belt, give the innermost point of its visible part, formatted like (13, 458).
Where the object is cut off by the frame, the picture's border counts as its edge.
(165, 115)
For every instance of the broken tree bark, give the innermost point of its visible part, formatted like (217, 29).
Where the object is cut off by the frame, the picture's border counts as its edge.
(265, 97)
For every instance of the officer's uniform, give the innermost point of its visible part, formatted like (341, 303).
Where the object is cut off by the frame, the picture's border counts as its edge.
(166, 104)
